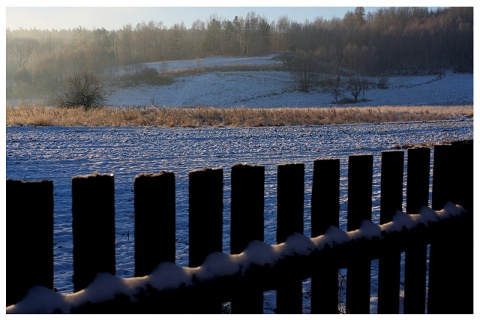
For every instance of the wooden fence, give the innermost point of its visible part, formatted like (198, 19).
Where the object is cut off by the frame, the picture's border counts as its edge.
(160, 286)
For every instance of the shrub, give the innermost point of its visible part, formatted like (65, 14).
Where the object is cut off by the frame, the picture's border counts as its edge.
(346, 101)
(81, 90)
(147, 76)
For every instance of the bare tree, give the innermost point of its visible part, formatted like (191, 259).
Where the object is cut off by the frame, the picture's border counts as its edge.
(81, 90)
(355, 86)
(304, 66)
(20, 50)
(334, 87)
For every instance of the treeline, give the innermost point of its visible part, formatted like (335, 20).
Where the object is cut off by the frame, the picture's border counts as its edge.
(391, 40)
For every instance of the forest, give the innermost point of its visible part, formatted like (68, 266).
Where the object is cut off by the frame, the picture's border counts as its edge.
(389, 41)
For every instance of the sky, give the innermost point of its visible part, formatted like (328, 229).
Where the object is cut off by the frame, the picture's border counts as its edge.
(101, 14)
(116, 18)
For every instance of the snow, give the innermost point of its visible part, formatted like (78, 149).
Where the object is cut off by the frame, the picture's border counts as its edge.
(212, 61)
(168, 276)
(104, 287)
(451, 209)
(367, 230)
(216, 265)
(297, 244)
(259, 253)
(64, 152)
(267, 88)
(333, 236)
(42, 300)
(401, 220)
(125, 152)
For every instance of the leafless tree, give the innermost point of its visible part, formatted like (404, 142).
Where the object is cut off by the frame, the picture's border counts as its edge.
(20, 50)
(355, 86)
(334, 87)
(304, 66)
(81, 90)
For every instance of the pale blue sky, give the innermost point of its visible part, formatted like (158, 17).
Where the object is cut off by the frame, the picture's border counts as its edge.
(89, 15)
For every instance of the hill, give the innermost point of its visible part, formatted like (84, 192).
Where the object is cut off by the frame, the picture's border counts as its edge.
(269, 88)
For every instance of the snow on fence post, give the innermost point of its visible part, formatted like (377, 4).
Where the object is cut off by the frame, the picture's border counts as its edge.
(154, 202)
(325, 210)
(93, 226)
(290, 205)
(29, 238)
(246, 225)
(417, 194)
(205, 227)
(360, 169)
(391, 192)
(451, 248)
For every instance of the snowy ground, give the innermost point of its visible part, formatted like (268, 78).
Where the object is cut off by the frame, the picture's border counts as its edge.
(267, 88)
(59, 153)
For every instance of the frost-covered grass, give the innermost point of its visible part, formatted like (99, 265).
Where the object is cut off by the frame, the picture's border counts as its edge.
(220, 117)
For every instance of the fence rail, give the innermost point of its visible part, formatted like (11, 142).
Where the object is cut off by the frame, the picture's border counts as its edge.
(253, 267)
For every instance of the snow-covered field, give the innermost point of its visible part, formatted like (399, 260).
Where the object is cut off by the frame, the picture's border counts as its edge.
(267, 88)
(59, 153)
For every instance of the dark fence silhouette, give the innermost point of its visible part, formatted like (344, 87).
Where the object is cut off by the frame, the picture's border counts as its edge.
(253, 267)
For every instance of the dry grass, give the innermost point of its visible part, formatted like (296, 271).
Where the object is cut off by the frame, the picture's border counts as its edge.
(220, 117)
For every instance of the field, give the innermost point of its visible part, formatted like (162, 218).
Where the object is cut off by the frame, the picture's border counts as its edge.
(59, 152)
(269, 88)
(251, 92)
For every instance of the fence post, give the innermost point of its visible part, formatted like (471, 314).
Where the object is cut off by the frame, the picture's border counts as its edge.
(360, 169)
(29, 238)
(463, 162)
(451, 248)
(154, 221)
(418, 184)
(246, 225)
(290, 204)
(205, 226)
(391, 190)
(325, 213)
(93, 226)
(442, 175)
(463, 195)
